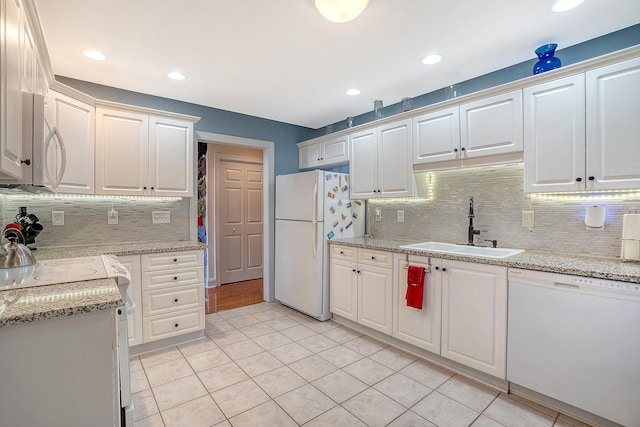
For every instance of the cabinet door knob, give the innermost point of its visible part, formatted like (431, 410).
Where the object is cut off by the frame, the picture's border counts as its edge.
(175, 300)
(444, 268)
(578, 179)
(175, 260)
(373, 257)
(175, 277)
(455, 150)
(437, 268)
(591, 178)
(176, 325)
(358, 271)
(341, 252)
(462, 149)
(144, 188)
(354, 270)
(26, 161)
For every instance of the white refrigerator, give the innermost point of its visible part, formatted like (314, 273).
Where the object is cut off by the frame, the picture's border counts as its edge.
(311, 208)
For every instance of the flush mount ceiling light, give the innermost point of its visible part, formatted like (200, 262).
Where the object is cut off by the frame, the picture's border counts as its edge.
(353, 92)
(564, 5)
(432, 58)
(341, 10)
(175, 75)
(94, 54)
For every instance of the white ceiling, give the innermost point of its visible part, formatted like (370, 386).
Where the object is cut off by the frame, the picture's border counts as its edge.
(281, 60)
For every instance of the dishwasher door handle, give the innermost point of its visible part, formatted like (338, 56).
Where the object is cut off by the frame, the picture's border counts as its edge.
(566, 285)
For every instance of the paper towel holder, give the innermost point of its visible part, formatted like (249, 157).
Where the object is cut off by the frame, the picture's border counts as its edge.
(594, 218)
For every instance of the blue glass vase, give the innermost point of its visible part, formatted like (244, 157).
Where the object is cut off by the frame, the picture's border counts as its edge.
(546, 60)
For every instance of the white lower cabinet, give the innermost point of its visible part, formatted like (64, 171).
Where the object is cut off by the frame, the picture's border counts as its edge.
(464, 312)
(418, 327)
(172, 294)
(168, 291)
(361, 283)
(474, 315)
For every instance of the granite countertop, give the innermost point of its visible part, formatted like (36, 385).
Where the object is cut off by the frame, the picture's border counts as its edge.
(604, 268)
(26, 305)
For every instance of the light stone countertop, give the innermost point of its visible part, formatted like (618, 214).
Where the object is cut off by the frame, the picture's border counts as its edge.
(26, 305)
(603, 268)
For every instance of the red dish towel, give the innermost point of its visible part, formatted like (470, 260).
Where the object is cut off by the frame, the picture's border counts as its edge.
(415, 287)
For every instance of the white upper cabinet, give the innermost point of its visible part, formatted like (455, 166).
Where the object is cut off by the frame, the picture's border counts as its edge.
(613, 126)
(480, 129)
(74, 120)
(11, 58)
(380, 162)
(324, 153)
(436, 136)
(491, 126)
(581, 131)
(554, 135)
(138, 154)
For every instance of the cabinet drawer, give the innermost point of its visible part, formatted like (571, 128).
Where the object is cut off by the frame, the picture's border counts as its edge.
(171, 260)
(177, 277)
(377, 258)
(172, 324)
(172, 299)
(346, 253)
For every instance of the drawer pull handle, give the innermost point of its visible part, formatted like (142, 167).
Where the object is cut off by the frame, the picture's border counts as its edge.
(354, 270)
(175, 277)
(444, 269)
(175, 300)
(373, 258)
(175, 260)
(341, 252)
(176, 325)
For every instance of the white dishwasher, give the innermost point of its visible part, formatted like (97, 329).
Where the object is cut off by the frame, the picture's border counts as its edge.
(577, 340)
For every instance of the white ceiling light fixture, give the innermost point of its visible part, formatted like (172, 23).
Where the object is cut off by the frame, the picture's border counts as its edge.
(432, 58)
(175, 75)
(94, 54)
(564, 5)
(353, 92)
(341, 10)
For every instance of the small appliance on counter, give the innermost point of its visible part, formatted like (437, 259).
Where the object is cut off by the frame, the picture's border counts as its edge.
(630, 250)
(15, 252)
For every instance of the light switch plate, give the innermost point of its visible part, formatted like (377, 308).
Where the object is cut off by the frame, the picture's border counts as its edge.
(528, 219)
(400, 215)
(112, 217)
(57, 217)
(377, 215)
(161, 217)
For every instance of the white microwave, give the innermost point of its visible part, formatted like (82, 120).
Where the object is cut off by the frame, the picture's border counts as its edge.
(43, 151)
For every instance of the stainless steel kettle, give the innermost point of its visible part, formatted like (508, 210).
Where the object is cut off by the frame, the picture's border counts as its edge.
(14, 253)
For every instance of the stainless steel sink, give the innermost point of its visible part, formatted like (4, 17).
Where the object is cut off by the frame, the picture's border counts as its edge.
(452, 248)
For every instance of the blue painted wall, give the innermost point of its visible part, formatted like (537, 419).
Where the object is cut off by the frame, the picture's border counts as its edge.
(213, 120)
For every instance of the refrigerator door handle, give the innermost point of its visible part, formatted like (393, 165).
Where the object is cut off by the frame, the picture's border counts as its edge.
(314, 223)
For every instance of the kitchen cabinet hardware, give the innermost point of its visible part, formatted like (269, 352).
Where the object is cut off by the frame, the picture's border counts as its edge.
(373, 257)
(437, 268)
(175, 277)
(455, 150)
(578, 179)
(176, 325)
(444, 268)
(341, 252)
(26, 161)
(354, 270)
(591, 178)
(175, 300)
(175, 260)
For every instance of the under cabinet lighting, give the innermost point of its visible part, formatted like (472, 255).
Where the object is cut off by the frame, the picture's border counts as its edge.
(589, 196)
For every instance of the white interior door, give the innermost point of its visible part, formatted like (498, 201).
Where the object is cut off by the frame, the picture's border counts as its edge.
(241, 223)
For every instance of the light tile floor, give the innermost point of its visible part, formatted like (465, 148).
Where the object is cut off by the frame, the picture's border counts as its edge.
(267, 365)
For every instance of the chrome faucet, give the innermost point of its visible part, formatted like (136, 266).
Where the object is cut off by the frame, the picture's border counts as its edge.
(472, 231)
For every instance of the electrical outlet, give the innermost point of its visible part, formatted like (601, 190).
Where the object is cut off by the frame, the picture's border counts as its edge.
(528, 219)
(377, 215)
(57, 217)
(400, 215)
(161, 217)
(112, 217)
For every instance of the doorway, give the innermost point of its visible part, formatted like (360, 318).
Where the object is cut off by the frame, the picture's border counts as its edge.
(239, 228)
(265, 150)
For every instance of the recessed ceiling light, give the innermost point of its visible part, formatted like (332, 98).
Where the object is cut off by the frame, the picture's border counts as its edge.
(353, 92)
(94, 54)
(564, 5)
(431, 59)
(176, 76)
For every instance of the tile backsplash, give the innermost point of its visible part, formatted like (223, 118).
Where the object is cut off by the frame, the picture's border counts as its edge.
(85, 218)
(499, 201)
